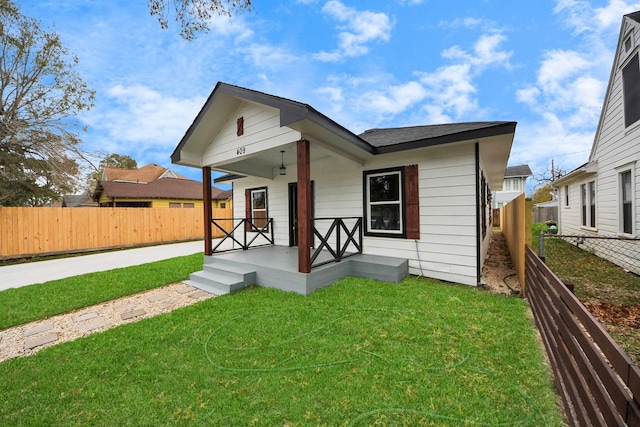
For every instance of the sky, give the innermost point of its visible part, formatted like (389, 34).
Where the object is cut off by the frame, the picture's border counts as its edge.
(365, 64)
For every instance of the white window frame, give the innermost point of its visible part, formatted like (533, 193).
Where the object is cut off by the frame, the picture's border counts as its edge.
(400, 203)
(254, 210)
(588, 219)
(631, 171)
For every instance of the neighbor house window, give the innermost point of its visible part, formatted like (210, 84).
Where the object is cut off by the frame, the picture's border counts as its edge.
(383, 192)
(631, 90)
(626, 203)
(588, 204)
(258, 204)
(223, 205)
(174, 205)
(188, 205)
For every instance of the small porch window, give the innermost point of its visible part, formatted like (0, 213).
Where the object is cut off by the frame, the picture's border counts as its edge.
(258, 201)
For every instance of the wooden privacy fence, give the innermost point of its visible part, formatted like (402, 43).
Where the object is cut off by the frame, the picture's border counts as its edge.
(597, 381)
(41, 231)
(515, 219)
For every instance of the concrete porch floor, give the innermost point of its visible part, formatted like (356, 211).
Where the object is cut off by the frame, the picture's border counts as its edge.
(277, 267)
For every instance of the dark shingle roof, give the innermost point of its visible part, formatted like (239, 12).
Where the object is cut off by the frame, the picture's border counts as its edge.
(405, 138)
(520, 170)
(164, 188)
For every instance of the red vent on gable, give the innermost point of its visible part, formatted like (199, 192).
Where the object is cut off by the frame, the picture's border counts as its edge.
(240, 128)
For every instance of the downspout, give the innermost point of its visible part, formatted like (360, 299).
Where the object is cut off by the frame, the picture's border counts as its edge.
(478, 232)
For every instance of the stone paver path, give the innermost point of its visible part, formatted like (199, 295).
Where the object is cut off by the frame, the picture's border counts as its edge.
(25, 340)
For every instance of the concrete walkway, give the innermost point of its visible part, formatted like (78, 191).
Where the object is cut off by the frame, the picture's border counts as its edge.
(15, 276)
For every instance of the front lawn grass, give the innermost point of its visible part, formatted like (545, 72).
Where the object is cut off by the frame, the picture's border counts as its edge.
(29, 303)
(357, 353)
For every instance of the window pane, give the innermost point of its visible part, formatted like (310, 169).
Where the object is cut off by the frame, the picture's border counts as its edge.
(631, 89)
(592, 204)
(259, 199)
(583, 203)
(626, 186)
(385, 217)
(384, 188)
(627, 226)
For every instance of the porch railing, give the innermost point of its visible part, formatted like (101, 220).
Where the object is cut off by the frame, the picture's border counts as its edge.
(335, 242)
(248, 226)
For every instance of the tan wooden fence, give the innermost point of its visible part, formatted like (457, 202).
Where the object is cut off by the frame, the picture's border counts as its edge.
(598, 383)
(515, 219)
(42, 231)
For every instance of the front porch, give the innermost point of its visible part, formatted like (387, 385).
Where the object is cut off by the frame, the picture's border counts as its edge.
(277, 267)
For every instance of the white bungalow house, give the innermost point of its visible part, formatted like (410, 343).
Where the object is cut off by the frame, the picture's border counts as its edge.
(601, 198)
(411, 200)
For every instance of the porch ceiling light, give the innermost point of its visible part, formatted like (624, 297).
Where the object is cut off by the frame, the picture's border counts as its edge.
(283, 168)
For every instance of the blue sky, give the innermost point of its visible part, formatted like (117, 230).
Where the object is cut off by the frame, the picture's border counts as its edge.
(543, 63)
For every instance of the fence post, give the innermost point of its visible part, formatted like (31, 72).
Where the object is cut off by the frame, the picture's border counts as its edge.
(541, 247)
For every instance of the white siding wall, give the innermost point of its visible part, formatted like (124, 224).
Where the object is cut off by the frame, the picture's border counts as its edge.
(616, 147)
(261, 131)
(447, 247)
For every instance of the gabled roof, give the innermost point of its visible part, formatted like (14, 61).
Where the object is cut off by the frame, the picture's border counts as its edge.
(635, 17)
(152, 182)
(147, 173)
(165, 188)
(517, 171)
(304, 122)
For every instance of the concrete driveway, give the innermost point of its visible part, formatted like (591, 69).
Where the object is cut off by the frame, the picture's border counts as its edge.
(15, 276)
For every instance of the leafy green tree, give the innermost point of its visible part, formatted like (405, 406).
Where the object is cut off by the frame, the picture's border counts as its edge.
(543, 194)
(120, 161)
(40, 96)
(194, 16)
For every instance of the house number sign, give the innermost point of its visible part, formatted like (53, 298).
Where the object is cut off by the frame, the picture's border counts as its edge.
(241, 150)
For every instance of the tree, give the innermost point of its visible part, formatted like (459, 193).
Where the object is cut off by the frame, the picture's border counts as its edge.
(120, 161)
(543, 194)
(40, 96)
(194, 15)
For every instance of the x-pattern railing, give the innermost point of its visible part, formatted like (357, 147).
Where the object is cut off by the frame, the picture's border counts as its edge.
(265, 231)
(339, 248)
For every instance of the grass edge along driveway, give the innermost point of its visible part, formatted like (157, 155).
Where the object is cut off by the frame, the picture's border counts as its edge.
(357, 353)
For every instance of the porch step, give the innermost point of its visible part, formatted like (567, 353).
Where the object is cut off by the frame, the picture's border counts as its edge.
(222, 278)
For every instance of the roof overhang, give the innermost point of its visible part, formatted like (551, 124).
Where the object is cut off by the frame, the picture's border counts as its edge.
(581, 172)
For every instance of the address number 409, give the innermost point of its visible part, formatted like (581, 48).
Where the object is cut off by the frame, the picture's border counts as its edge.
(241, 150)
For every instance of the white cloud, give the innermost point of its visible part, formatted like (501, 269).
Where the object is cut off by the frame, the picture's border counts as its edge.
(393, 100)
(358, 29)
(570, 83)
(141, 120)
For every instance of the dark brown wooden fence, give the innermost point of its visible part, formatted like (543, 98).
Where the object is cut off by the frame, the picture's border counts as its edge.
(597, 381)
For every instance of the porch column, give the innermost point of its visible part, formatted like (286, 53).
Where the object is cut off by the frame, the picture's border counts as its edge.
(304, 206)
(208, 212)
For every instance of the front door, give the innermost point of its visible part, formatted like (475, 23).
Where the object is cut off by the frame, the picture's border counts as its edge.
(293, 212)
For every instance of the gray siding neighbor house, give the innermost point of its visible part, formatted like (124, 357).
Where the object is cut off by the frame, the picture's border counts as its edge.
(302, 182)
(601, 198)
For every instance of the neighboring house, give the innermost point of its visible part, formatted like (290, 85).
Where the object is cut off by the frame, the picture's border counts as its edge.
(153, 186)
(422, 192)
(515, 183)
(602, 197)
(79, 200)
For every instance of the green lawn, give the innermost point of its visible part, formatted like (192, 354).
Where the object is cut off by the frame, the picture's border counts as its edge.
(357, 353)
(29, 303)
